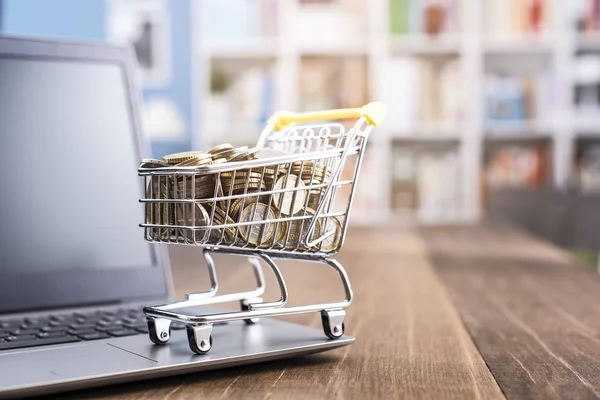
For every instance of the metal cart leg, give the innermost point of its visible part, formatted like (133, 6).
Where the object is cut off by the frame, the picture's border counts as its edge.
(199, 327)
(212, 275)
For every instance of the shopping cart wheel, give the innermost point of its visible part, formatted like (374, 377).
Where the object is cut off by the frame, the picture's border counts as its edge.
(159, 330)
(200, 338)
(245, 306)
(333, 323)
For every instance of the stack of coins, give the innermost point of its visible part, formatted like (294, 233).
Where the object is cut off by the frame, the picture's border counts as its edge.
(294, 196)
(158, 213)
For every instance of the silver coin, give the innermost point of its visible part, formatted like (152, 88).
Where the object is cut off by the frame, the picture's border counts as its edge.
(291, 202)
(257, 213)
(194, 216)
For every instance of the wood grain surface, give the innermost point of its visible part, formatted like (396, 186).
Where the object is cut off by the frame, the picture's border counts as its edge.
(531, 312)
(410, 340)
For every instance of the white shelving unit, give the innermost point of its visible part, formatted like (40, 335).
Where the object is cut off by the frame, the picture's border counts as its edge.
(472, 48)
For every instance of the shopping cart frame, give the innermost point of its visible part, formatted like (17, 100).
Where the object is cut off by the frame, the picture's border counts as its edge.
(280, 129)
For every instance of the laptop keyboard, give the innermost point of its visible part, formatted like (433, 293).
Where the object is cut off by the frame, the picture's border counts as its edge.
(73, 327)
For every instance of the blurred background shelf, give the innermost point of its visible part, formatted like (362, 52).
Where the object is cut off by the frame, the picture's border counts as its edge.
(513, 105)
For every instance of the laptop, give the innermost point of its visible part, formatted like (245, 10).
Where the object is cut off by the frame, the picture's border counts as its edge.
(75, 270)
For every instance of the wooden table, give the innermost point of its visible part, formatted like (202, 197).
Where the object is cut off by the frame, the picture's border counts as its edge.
(480, 312)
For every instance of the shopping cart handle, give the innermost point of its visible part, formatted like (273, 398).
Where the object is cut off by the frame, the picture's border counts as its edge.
(374, 113)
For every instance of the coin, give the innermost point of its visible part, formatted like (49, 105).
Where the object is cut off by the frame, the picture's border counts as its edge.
(259, 233)
(157, 213)
(241, 156)
(220, 148)
(281, 228)
(177, 158)
(223, 154)
(332, 242)
(234, 208)
(289, 202)
(197, 161)
(152, 163)
(194, 216)
(221, 235)
(299, 231)
(199, 187)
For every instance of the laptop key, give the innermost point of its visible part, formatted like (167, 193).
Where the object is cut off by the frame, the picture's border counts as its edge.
(37, 342)
(58, 323)
(9, 324)
(123, 332)
(81, 331)
(93, 336)
(82, 326)
(20, 332)
(54, 328)
(43, 335)
(20, 338)
(103, 328)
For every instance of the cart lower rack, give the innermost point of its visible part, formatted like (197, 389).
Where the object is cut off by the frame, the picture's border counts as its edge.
(287, 198)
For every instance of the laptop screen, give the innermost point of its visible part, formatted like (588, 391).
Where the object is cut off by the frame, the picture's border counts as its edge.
(68, 187)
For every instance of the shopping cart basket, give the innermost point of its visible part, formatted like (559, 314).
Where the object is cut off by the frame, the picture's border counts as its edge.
(283, 204)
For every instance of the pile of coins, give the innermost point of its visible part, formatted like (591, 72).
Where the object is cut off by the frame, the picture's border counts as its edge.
(239, 198)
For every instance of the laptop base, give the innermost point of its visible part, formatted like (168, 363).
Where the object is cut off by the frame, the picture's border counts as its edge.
(45, 370)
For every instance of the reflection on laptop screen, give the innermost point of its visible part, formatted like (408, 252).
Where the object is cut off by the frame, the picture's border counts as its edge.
(69, 188)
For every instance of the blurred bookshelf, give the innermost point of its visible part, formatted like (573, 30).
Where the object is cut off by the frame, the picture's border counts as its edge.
(480, 94)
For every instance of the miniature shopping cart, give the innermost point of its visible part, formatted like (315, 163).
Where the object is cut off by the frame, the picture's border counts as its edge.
(290, 201)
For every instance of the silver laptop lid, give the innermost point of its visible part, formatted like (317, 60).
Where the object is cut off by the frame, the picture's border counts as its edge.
(69, 149)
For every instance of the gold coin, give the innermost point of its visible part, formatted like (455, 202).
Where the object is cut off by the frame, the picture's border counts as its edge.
(289, 202)
(219, 148)
(224, 154)
(260, 232)
(196, 162)
(227, 233)
(158, 213)
(180, 157)
(241, 173)
(241, 156)
(234, 208)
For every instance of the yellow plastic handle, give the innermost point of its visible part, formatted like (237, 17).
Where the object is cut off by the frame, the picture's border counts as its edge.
(374, 113)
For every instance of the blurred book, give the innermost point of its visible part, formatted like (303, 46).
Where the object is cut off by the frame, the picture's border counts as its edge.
(332, 82)
(517, 18)
(404, 186)
(329, 23)
(517, 98)
(239, 20)
(586, 14)
(430, 17)
(588, 167)
(518, 165)
(587, 85)
(439, 189)
(422, 91)
(240, 102)
(426, 181)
